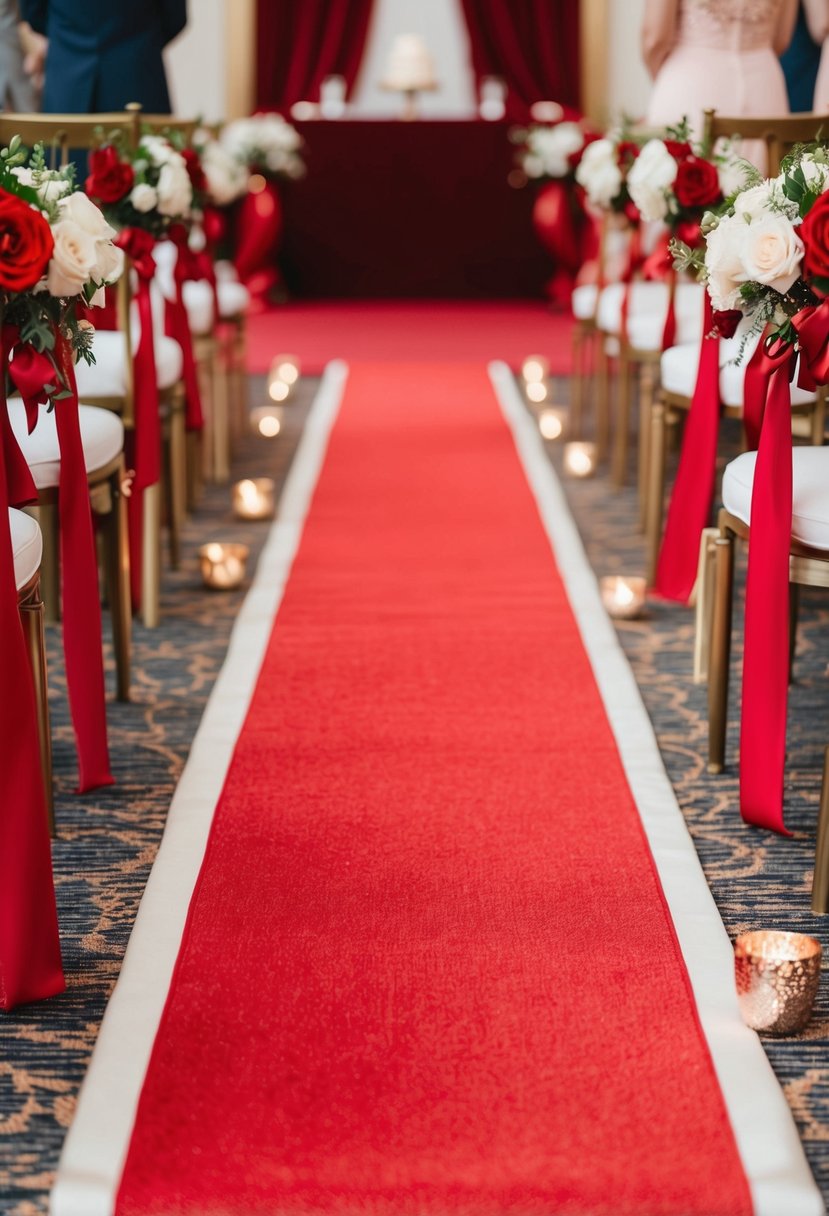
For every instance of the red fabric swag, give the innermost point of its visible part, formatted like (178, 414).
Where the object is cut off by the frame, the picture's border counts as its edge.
(298, 45)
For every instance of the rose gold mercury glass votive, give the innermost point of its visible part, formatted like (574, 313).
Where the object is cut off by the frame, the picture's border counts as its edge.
(777, 979)
(623, 595)
(253, 498)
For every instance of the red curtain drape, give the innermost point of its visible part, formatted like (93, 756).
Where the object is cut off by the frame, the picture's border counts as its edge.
(532, 44)
(300, 42)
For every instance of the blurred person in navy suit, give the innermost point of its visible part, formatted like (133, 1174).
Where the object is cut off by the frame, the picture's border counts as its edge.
(102, 54)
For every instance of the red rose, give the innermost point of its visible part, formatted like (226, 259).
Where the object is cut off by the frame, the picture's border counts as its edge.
(697, 183)
(688, 231)
(679, 149)
(110, 178)
(197, 179)
(814, 232)
(26, 243)
(626, 153)
(725, 323)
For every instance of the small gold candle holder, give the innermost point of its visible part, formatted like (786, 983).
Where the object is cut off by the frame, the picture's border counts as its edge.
(266, 421)
(537, 391)
(535, 368)
(580, 459)
(254, 498)
(777, 977)
(223, 565)
(623, 595)
(551, 423)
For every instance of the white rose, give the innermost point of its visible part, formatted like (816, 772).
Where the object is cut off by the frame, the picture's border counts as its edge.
(761, 200)
(109, 264)
(815, 172)
(226, 178)
(724, 264)
(553, 146)
(771, 252)
(533, 165)
(599, 173)
(83, 212)
(143, 197)
(650, 176)
(159, 149)
(175, 193)
(73, 259)
(50, 186)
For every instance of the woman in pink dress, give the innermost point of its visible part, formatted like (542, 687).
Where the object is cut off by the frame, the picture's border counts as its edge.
(716, 54)
(817, 19)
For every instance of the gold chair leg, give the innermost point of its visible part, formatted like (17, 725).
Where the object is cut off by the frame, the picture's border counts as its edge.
(151, 557)
(794, 615)
(656, 486)
(577, 381)
(704, 607)
(117, 563)
(820, 882)
(220, 431)
(647, 387)
(819, 419)
(195, 480)
(720, 651)
(177, 481)
(602, 399)
(47, 516)
(31, 616)
(239, 372)
(621, 433)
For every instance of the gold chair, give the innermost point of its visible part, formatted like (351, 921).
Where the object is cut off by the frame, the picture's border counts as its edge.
(779, 135)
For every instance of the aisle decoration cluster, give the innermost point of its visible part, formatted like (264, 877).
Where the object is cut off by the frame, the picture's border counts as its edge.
(57, 256)
(549, 156)
(766, 259)
(148, 192)
(271, 150)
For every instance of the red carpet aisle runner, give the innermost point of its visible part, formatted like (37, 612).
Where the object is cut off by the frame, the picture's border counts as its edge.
(428, 967)
(451, 331)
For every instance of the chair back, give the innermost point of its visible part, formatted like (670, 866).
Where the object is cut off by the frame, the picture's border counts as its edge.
(61, 133)
(780, 133)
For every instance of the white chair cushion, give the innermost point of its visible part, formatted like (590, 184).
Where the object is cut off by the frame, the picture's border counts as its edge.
(198, 300)
(583, 301)
(810, 493)
(226, 271)
(107, 378)
(679, 364)
(647, 308)
(234, 297)
(102, 436)
(27, 546)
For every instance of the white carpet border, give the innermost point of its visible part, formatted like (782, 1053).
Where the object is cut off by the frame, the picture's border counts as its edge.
(770, 1148)
(95, 1149)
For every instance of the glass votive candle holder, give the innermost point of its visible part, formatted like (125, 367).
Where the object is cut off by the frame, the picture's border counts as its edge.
(223, 565)
(777, 976)
(580, 458)
(551, 423)
(284, 368)
(623, 595)
(535, 368)
(536, 391)
(266, 421)
(254, 498)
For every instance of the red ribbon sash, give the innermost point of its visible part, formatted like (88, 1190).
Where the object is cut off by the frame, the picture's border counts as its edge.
(143, 443)
(30, 963)
(693, 491)
(189, 266)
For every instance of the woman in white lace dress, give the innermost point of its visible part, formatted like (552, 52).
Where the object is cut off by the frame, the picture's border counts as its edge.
(716, 54)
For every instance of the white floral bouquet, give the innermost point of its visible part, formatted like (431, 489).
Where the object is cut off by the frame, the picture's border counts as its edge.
(767, 250)
(266, 144)
(226, 177)
(675, 182)
(148, 186)
(603, 172)
(58, 252)
(553, 151)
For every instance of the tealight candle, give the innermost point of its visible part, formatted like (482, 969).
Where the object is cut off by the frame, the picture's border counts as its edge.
(254, 498)
(267, 421)
(777, 977)
(535, 368)
(580, 459)
(623, 595)
(222, 565)
(536, 391)
(551, 423)
(284, 368)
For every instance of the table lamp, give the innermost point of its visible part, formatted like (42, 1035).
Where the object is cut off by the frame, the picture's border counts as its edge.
(409, 70)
